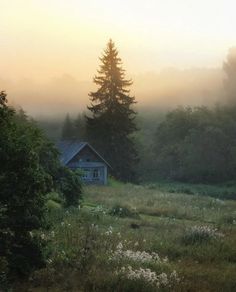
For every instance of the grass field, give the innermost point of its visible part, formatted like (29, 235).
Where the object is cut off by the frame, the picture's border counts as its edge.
(141, 238)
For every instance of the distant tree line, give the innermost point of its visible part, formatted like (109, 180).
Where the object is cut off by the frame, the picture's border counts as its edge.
(190, 144)
(197, 145)
(74, 128)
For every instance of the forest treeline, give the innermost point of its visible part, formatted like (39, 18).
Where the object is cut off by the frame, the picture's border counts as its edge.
(186, 144)
(197, 145)
(189, 144)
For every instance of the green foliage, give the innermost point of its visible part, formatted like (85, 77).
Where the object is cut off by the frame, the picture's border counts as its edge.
(74, 129)
(80, 127)
(197, 145)
(3, 273)
(56, 197)
(27, 161)
(114, 183)
(52, 205)
(69, 184)
(68, 129)
(111, 125)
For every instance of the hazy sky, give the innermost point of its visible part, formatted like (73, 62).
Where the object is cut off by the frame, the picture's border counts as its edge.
(41, 39)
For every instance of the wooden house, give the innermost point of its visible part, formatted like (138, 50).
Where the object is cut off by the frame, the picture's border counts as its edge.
(81, 155)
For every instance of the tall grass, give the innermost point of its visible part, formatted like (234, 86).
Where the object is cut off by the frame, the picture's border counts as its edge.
(103, 248)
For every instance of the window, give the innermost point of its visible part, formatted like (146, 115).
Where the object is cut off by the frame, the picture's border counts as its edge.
(96, 173)
(85, 173)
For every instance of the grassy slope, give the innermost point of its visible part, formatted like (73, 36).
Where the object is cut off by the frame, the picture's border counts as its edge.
(165, 217)
(162, 222)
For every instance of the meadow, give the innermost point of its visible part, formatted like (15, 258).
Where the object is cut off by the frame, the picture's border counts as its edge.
(140, 238)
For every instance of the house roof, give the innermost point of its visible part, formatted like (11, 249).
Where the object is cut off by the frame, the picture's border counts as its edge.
(69, 149)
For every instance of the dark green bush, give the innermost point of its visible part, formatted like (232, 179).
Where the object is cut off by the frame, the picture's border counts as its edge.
(26, 175)
(69, 183)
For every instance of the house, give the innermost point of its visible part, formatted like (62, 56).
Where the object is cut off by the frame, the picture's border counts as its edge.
(81, 155)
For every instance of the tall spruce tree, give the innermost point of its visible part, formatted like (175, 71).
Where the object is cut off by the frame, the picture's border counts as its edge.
(112, 123)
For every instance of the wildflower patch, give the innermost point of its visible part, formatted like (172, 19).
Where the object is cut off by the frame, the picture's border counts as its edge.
(200, 234)
(150, 277)
(137, 256)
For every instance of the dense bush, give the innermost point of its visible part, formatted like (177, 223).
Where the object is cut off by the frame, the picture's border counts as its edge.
(24, 181)
(29, 170)
(69, 184)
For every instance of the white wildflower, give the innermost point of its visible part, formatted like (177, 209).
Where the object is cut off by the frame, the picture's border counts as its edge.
(109, 231)
(149, 276)
(43, 236)
(174, 277)
(163, 279)
(49, 261)
(138, 256)
(119, 246)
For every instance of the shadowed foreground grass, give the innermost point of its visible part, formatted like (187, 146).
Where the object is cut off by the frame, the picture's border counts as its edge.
(140, 238)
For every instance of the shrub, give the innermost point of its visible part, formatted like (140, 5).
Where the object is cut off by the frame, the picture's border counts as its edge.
(69, 184)
(228, 219)
(56, 197)
(52, 205)
(3, 272)
(200, 234)
(121, 211)
(25, 178)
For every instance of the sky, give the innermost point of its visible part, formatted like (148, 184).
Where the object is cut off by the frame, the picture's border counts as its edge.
(42, 39)
(172, 49)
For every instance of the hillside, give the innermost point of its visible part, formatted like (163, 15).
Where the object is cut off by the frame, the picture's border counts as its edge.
(186, 241)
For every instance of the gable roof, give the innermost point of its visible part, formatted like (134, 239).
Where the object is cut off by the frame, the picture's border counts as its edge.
(69, 149)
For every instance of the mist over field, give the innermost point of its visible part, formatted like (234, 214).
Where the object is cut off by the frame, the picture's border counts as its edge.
(165, 90)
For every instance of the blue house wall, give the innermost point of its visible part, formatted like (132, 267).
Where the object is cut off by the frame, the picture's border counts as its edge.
(81, 155)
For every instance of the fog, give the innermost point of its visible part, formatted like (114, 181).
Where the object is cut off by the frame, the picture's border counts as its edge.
(50, 51)
(163, 90)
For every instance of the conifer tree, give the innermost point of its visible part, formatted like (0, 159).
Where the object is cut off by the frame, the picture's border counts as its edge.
(67, 129)
(112, 121)
(80, 127)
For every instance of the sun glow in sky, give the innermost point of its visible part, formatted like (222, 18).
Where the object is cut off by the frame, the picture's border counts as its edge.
(46, 38)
